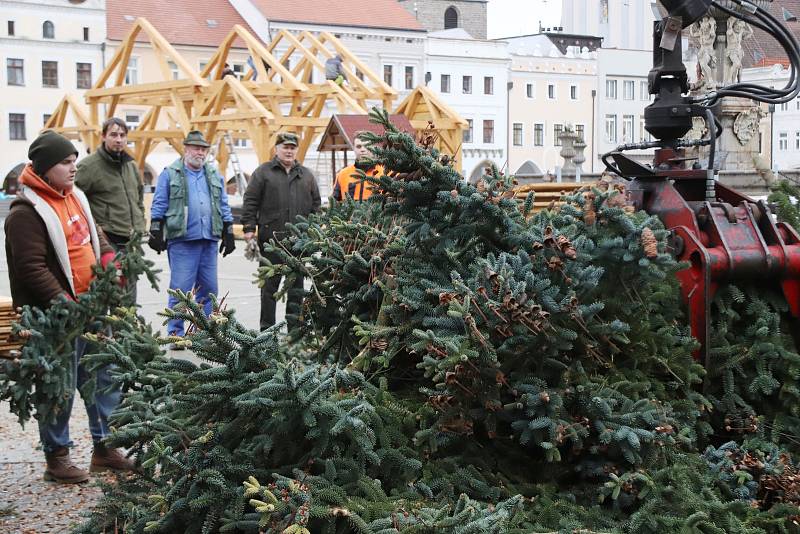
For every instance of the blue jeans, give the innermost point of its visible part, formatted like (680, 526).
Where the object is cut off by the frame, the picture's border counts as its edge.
(56, 435)
(192, 265)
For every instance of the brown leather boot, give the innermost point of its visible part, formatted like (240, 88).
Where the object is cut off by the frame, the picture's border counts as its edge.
(104, 459)
(61, 469)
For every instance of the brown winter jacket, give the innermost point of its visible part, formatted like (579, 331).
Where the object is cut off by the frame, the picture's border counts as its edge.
(34, 270)
(274, 198)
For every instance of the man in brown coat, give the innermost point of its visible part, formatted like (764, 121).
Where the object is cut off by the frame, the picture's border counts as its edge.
(52, 243)
(279, 191)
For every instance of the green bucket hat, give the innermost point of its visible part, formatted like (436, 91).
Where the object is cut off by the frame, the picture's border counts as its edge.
(286, 138)
(195, 137)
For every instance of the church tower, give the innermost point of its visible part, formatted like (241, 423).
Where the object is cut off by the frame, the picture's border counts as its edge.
(437, 15)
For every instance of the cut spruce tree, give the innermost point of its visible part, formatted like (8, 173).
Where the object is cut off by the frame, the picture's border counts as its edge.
(463, 365)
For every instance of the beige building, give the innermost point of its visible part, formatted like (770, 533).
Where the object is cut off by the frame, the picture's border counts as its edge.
(48, 48)
(554, 85)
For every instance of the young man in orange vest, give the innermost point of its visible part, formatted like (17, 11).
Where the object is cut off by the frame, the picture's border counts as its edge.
(348, 181)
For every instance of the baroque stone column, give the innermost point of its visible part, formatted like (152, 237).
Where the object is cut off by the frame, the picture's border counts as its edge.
(718, 38)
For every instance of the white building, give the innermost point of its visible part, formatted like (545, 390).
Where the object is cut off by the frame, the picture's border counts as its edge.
(471, 76)
(780, 130)
(621, 23)
(48, 48)
(622, 95)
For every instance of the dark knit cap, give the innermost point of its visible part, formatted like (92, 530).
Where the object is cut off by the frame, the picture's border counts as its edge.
(49, 149)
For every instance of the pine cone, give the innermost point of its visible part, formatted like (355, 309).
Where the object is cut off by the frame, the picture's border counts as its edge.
(649, 243)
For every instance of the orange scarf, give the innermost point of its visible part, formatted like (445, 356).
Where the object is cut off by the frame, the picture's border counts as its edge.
(75, 226)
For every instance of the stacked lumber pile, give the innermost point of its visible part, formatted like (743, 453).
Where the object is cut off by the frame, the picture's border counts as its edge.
(8, 343)
(548, 194)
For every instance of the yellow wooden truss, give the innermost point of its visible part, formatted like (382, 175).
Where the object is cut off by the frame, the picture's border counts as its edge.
(269, 99)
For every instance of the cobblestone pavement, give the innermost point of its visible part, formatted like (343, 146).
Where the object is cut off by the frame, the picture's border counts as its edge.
(28, 504)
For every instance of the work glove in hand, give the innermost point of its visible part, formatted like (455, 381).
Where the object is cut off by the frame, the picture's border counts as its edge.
(228, 244)
(156, 241)
(251, 250)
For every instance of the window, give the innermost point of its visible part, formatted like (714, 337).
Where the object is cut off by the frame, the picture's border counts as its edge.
(132, 120)
(611, 128)
(84, 75)
(359, 75)
(488, 85)
(287, 64)
(573, 92)
(467, 136)
(611, 89)
(797, 140)
(627, 129)
(538, 134)
(14, 72)
(445, 83)
(10, 28)
(783, 141)
(644, 135)
(644, 91)
(132, 71)
(628, 88)
(48, 30)
(173, 69)
(785, 106)
(450, 18)
(488, 131)
(45, 118)
(85, 33)
(551, 91)
(239, 70)
(16, 126)
(466, 84)
(529, 90)
(580, 131)
(517, 134)
(409, 77)
(49, 74)
(388, 75)
(557, 130)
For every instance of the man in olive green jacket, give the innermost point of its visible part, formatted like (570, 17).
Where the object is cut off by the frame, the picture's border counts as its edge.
(279, 191)
(112, 184)
(111, 181)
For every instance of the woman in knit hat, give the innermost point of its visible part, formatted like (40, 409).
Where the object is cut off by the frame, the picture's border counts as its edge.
(52, 243)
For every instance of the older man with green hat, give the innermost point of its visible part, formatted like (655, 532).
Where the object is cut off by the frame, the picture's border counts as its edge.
(279, 190)
(189, 216)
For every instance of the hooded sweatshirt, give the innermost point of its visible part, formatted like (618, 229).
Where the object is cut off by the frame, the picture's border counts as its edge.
(75, 224)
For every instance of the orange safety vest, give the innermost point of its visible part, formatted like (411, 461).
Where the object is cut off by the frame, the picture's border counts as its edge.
(349, 183)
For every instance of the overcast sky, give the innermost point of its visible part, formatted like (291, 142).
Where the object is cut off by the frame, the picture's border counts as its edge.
(521, 17)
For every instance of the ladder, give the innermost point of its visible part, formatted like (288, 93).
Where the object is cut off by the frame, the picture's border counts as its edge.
(233, 158)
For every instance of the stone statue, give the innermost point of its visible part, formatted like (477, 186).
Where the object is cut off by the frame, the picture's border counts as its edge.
(738, 31)
(746, 124)
(704, 33)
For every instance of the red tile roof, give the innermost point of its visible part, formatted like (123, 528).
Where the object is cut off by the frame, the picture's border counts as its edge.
(763, 50)
(180, 23)
(385, 14)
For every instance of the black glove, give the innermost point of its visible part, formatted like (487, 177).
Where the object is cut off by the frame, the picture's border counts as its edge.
(156, 241)
(228, 244)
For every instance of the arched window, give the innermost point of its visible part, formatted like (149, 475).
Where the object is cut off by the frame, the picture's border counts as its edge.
(450, 18)
(48, 31)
